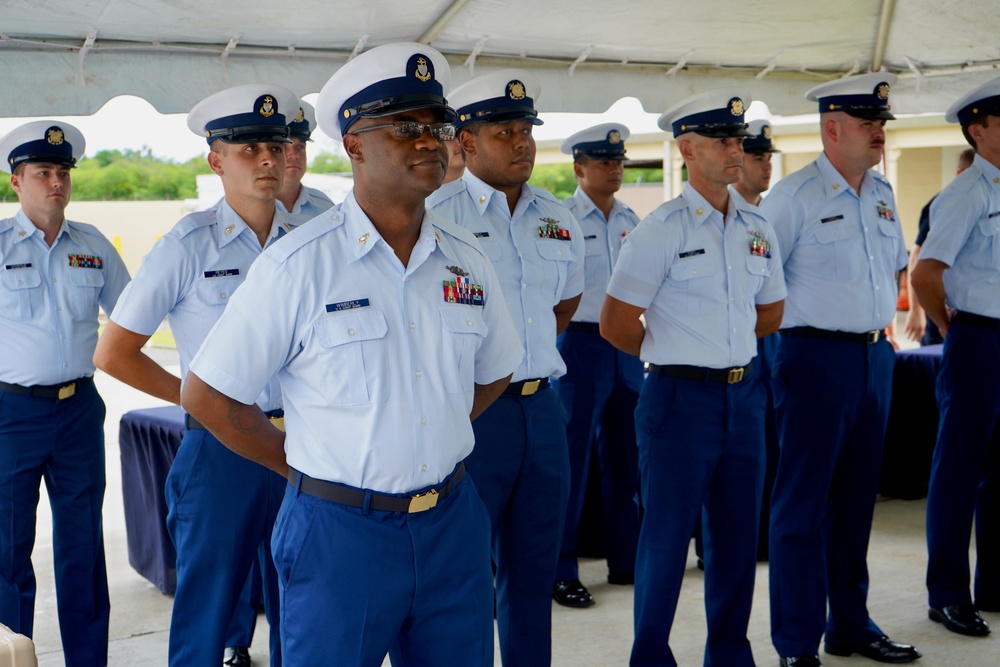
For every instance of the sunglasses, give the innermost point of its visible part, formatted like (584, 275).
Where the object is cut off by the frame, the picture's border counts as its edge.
(412, 130)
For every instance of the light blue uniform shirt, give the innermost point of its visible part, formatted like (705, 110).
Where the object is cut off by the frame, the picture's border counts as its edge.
(603, 240)
(536, 272)
(966, 236)
(840, 250)
(377, 367)
(49, 299)
(190, 275)
(310, 203)
(699, 281)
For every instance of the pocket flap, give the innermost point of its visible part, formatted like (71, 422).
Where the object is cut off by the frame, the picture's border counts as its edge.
(351, 326)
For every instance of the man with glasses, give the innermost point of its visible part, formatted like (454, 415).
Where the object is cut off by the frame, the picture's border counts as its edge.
(388, 331)
(520, 464)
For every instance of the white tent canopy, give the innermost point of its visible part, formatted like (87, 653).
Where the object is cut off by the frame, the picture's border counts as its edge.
(71, 56)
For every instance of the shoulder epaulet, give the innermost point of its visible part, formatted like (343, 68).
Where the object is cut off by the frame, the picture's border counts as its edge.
(446, 191)
(455, 231)
(791, 184)
(312, 229)
(84, 228)
(193, 221)
(665, 209)
(967, 179)
(881, 179)
(543, 193)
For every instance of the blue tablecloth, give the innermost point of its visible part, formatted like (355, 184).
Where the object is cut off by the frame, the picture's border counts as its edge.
(149, 440)
(913, 424)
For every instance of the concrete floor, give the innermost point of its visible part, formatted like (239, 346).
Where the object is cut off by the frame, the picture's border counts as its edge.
(597, 636)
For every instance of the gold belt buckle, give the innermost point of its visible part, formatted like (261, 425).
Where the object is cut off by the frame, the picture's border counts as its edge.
(278, 423)
(530, 387)
(735, 375)
(67, 390)
(874, 336)
(423, 501)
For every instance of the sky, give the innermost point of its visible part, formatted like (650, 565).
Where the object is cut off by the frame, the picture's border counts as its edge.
(128, 122)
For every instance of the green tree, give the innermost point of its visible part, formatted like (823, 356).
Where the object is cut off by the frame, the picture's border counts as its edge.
(326, 162)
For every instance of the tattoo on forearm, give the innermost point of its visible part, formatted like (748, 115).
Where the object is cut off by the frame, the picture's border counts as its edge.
(237, 416)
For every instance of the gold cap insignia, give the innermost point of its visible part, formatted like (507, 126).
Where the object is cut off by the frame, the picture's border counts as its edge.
(975, 109)
(882, 91)
(267, 108)
(736, 106)
(515, 90)
(614, 137)
(54, 136)
(767, 132)
(832, 106)
(422, 72)
(299, 116)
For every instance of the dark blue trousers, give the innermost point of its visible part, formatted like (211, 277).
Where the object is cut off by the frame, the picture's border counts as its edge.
(61, 442)
(241, 628)
(832, 405)
(599, 393)
(521, 469)
(701, 458)
(221, 511)
(964, 471)
(359, 584)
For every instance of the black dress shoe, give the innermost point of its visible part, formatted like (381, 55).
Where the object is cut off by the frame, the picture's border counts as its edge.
(239, 656)
(880, 650)
(961, 618)
(571, 593)
(800, 661)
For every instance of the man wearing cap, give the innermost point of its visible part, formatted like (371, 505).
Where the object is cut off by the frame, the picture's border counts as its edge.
(956, 280)
(520, 464)
(601, 385)
(306, 203)
(295, 197)
(388, 330)
(704, 270)
(221, 507)
(754, 182)
(842, 248)
(54, 273)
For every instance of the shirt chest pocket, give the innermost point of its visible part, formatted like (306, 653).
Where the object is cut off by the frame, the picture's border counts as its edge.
(21, 293)
(837, 253)
(688, 276)
(216, 292)
(463, 331)
(989, 257)
(352, 357)
(759, 272)
(557, 256)
(891, 236)
(85, 292)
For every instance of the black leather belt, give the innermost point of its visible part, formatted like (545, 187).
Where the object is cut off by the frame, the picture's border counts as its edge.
(585, 327)
(974, 320)
(277, 418)
(346, 495)
(727, 375)
(526, 387)
(866, 338)
(56, 391)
